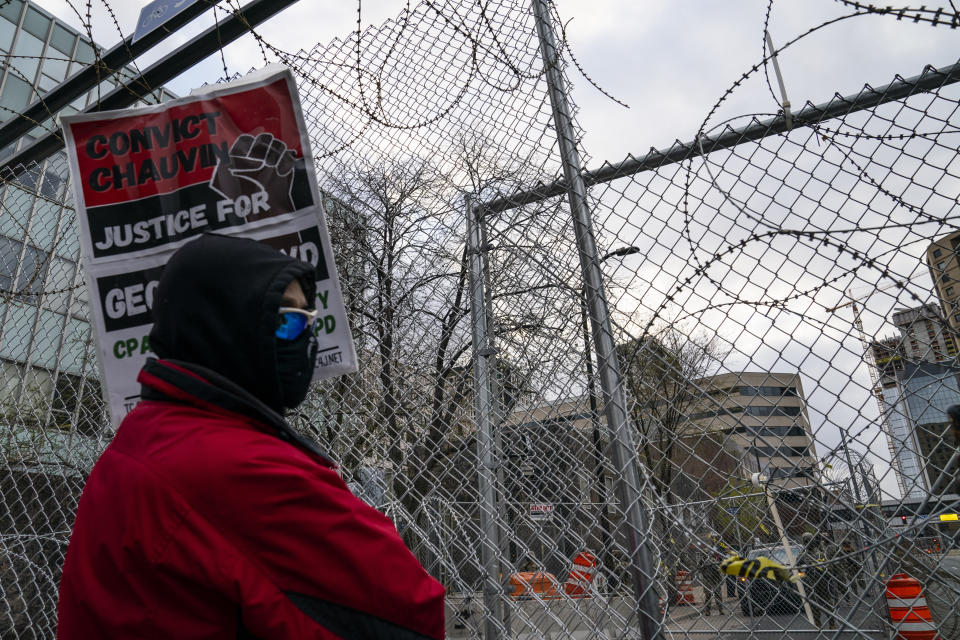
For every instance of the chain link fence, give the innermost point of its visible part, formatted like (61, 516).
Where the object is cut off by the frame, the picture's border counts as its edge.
(582, 392)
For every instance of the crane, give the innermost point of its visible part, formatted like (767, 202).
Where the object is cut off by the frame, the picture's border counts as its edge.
(858, 323)
(877, 387)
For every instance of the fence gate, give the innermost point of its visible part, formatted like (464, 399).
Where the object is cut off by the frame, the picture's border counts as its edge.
(700, 392)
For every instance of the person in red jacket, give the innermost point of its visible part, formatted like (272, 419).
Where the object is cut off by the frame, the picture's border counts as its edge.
(207, 516)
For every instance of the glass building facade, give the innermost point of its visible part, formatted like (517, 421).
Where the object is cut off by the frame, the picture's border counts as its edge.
(48, 378)
(903, 445)
(928, 390)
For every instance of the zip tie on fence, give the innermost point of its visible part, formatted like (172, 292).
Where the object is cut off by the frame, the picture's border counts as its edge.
(788, 118)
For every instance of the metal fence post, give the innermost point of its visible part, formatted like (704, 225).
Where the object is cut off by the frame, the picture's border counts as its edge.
(487, 464)
(623, 449)
(499, 411)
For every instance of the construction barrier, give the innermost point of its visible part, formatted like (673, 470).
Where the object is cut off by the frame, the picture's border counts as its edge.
(533, 584)
(909, 613)
(580, 581)
(685, 588)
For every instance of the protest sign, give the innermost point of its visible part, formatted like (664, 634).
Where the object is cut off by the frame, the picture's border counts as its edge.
(232, 159)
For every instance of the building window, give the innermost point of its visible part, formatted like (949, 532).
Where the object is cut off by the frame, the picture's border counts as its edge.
(941, 265)
(714, 414)
(7, 31)
(772, 411)
(55, 66)
(9, 257)
(11, 10)
(33, 269)
(937, 253)
(768, 391)
(768, 431)
(36, 23)
(16, 95)
(62, 40)
(78, 399)
(949, 291)
(26, 56)
(779, 452)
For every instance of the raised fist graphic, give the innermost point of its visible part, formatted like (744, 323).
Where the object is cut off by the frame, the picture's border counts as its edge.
(257, 165)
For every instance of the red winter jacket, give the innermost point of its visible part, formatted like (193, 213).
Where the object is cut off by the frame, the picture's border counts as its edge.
(205, 518)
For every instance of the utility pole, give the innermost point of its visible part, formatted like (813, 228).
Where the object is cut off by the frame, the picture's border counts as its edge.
(623, 450)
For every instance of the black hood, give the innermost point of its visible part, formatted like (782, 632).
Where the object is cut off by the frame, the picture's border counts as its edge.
(216, 307)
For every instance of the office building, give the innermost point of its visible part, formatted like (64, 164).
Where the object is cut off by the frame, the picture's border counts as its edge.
(928, 389)
(916, 380)
(888, 359)
(764, 416)
(925, 339)
(737, 423)
(47, 362)
(944, 264)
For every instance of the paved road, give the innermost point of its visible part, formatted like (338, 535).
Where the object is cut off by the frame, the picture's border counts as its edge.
(951, 563)
(687, 622)
(593, 620)
(943, 596)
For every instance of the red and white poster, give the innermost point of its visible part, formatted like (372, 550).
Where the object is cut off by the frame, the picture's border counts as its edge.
(541, 511)
(233, 159)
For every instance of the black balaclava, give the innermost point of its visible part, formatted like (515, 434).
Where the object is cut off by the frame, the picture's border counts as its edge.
(295, 362)
(216, 307)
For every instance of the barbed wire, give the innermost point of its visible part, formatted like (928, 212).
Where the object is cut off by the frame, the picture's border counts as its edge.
(923, 14)
(372, 106)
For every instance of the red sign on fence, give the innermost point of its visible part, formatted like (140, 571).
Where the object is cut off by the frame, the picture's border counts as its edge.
(541, 511)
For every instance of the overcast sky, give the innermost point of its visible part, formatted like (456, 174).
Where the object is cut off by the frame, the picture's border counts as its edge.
(669, 61)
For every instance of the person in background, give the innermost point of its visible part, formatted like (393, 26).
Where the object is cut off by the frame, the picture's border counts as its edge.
(850, 574)
(820, 580)
(734, 585)
(711, 577)
(208, 516)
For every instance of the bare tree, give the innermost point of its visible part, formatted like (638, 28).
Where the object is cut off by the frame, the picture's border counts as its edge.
(398, 232)
(665, 375)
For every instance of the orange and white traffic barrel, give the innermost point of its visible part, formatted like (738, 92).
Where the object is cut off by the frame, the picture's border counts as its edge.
(533, 584)
(685, 588)
(582, 574)
(909, 613)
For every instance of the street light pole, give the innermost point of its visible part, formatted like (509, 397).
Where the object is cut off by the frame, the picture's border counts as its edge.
(607, 540)
(761, 482)
(607, 535)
